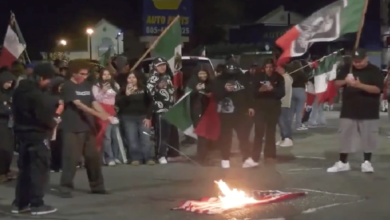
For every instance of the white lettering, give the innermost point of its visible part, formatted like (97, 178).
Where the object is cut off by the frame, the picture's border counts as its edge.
(84, 93)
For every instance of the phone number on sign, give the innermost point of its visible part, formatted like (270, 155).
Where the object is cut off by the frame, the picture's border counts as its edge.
(157, 30)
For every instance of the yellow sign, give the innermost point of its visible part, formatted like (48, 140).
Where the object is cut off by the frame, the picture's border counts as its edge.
(167, 4)
(161, 20)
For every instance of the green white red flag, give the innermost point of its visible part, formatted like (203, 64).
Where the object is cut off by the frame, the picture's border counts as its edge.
(324, 76)
(326, 24)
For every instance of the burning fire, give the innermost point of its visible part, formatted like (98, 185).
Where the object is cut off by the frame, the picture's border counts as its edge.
(233, 198)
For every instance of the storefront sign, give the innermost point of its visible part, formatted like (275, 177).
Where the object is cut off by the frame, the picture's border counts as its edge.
(157, 14)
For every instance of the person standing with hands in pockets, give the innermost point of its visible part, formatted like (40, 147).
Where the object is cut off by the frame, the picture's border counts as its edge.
(135, 116)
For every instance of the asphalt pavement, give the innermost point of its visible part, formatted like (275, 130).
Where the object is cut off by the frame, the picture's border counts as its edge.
(149, 192)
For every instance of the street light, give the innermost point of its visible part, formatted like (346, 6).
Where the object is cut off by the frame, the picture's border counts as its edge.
(118, 35)
(90, 32)
(63, 42)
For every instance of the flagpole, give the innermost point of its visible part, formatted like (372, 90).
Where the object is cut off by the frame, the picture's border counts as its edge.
(331, 54)
(16, 25)
(154, 43)
(359, 33)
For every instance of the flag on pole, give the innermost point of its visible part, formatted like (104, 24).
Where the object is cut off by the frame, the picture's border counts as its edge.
(327, 24)
(104, 58)
(180, 116)
(203, 54)
(324, 76)
(14, 44)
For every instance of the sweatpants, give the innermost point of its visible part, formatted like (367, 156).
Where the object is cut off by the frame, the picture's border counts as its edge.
(174, 142)
(230, 123)
(33, 177)
(162, 132)
(74, 146)
(6, 148)
(56, 152)
(265, 124)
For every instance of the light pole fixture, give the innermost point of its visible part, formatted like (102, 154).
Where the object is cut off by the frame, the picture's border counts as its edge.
(63, 42)
(118, 35)
(90, 32)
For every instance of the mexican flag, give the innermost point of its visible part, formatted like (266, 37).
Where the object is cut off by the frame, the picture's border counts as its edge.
(180, 116)
(14, 44)
(327, 24)
(169, 47)
(324, 76)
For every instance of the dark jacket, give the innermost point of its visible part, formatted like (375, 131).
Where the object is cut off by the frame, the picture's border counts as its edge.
(199, 98)
(33, 116)
(268, 99)
(5, 96)
(163, 98)
(237, 101)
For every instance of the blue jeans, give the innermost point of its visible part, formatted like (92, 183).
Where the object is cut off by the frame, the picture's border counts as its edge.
(138, 143)
(110, 144)
(284, 123)
(317, 116)
(298, 100)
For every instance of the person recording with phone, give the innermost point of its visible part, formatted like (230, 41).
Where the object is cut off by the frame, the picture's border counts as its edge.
(34, 122)
(135, 115)
(232, 91)
(268, 91)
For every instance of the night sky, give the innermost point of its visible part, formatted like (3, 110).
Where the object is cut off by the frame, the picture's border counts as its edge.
(43, 22)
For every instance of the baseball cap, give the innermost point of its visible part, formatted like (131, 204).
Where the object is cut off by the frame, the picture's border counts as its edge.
(359, 54)
(45, 70)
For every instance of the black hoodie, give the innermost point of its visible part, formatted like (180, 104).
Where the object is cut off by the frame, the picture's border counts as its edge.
(199, 98)
(237, 101)
(268, 99)
(5, 96)
(33, 117)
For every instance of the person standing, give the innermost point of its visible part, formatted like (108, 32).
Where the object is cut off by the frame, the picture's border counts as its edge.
(285, 118)
(359, 115)
(7, 81)
(79, 131)
(200, 84)
(135, 117)
(298, 99)
(232, 91)
(268, 90)
(161, 91)
(34, 122)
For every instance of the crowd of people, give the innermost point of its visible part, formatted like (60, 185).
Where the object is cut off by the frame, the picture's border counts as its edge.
(63, 116)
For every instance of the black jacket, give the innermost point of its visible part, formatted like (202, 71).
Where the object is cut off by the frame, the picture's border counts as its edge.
(237, 101)
(162, 98)
(199, 99)
(5, 96)
(33, 116)
(268, 99)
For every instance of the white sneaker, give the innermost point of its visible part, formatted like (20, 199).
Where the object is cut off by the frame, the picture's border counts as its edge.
(287, 143)
(248, 163)
(279, 142)
(118, 161)
(367, 167)
(225, 164)
(339, 167)
(162, 160)
(111, 163)
(302, 128)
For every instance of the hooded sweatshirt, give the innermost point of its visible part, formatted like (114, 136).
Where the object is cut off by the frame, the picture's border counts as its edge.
(33, 117)
(161, 91)
(5, 96)
(237, 101)
(199, 98)
(268, 99)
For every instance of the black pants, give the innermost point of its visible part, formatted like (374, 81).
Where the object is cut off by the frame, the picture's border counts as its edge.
(230, 122)
(34, 165)
(74, 146)
(56, 152)
(203, 148)
(174, 142)
(265, 124)
(6, 148)
(162, 132)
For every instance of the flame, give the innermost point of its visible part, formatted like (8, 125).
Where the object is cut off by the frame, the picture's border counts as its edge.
(233, 198)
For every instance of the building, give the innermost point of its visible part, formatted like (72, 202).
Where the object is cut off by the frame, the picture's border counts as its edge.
(105, 35)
